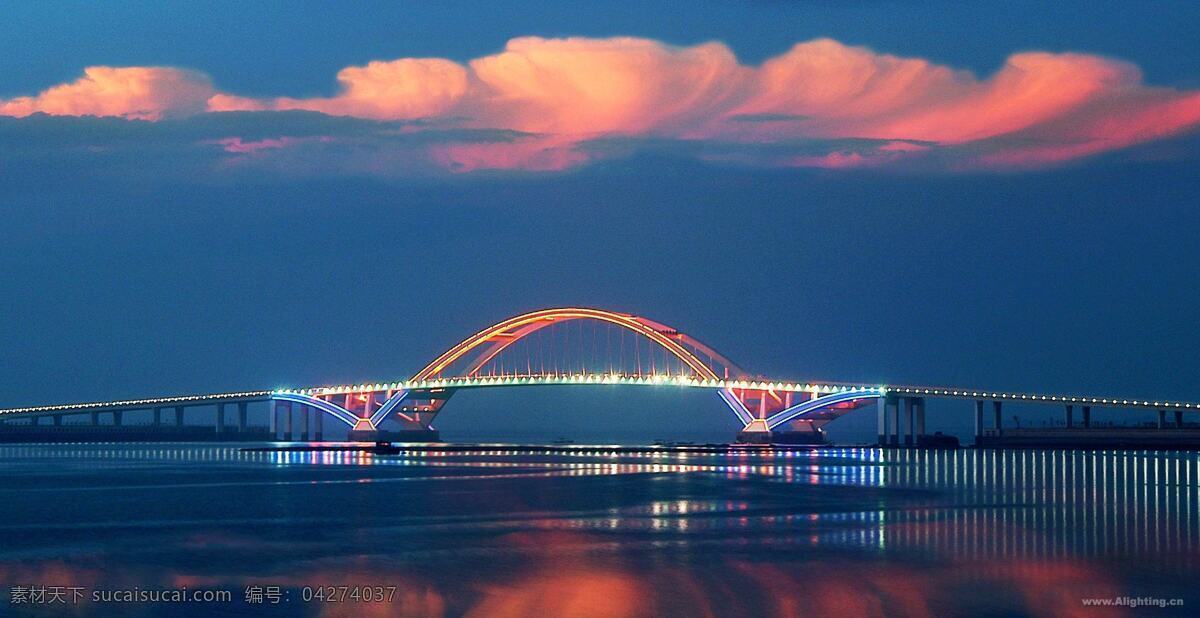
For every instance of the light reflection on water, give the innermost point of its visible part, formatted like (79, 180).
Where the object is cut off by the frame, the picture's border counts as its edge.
(600, 520)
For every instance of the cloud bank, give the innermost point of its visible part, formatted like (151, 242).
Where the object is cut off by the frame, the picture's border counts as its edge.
(552, 104)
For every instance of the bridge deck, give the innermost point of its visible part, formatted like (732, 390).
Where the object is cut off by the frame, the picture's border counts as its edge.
(781, 386)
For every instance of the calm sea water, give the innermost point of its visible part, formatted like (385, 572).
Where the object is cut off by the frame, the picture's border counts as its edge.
(512, 531)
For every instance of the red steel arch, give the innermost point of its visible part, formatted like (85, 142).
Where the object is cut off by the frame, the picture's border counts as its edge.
(505, 333)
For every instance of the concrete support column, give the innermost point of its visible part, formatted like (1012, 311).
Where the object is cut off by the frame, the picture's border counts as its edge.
(996, 413)
(894, 438)
(978, 419)
(95, 418)
(273, 417)
(1162, 419)
(287, 421)
(920, 420)
(220, 417)
(179, 416)
(910, 420)
(241, 416)
(1087, 416)
(1179, 418)
(1070, 416)
(157, 417)
(305, 416)
(318, 419)
(56, 420)
(881, 405)
(117, 418)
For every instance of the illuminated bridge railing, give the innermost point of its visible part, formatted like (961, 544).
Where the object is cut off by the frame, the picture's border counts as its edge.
(813, 388)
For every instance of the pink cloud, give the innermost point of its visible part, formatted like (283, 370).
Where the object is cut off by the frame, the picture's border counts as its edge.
(142, 93)
(401, 89)
(238, 146)
(558, 95)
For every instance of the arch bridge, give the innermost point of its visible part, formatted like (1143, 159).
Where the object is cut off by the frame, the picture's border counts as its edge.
(586, 346)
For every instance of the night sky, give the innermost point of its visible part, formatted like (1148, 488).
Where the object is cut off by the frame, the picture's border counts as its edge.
(949, 194)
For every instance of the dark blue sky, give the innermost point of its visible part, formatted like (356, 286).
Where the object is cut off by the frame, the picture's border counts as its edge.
(1073, 278)
(270, 48)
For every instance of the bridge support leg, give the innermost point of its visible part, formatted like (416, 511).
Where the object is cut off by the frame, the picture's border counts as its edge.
(978, 421)
(179, 416)
(220, 417)
(920, 437)
(1179, 418)
(56, 420)
(305, 417)
(996, 405)
(116, 419)
(1070, 416)
(287, 421)
(241, 417)
(881, 406)
(273, 418)
(318, 417)
(1087, 416)
(910, 428)
(1162, 419)
(157, 417)
(95, 418)
(894, 438)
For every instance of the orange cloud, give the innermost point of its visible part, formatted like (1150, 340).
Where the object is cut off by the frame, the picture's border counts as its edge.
(141, 93)
(401, 89)
(559, 95)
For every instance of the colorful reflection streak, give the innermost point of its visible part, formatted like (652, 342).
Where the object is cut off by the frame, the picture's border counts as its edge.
(514, 530)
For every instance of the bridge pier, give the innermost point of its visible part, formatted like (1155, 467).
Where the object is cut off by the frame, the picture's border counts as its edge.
(220, 418)
(56, 420)
(318, 418)
(116, 418)
(95, 418)
(287, 421)
(1087, 416)
(888, 409)
(1162, 419)
(241, 420)
(157, 417)
(996, 405)
(919, 438)
(978, 421)
(910, 415)
(1179, 419)
(881, 420)
(894, 426)
(305, 417)
(1070, 416)
(179, 416)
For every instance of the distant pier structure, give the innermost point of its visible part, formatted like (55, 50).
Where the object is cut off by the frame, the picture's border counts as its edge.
(577, 346)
